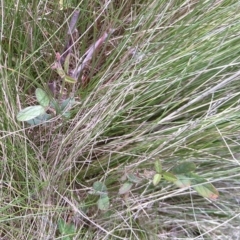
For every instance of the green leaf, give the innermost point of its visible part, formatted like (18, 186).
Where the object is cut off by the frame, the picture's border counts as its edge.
(207, 190)
(125, 188)
(31, 112)
(100, 188)
(158, 166)
(40, 119)
(156, 179)
(65, 229)
(132, 178)
(169, 176)
(67, 103)
(103, 202)
(69, 79)
(56, 106)
(184, 167)
(67, 115)
(42, 97)
(182, 181)
(66, 64)
(61, 72)
(61, 225)
(203, 187)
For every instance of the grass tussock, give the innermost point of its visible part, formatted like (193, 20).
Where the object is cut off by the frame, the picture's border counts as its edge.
(164, 85)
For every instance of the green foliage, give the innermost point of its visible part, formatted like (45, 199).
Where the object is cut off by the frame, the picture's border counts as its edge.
(203, 187)
(100, 190)
(125, 188)
(69, 79)
(35, 115)
(158, 166)
(183, 181)
(30, 113)
(133, 178)
(166, 87)
(39, 119)
(66, 64)
(182, 176)
(66, 230)
(42, 97)
(127, 185)
(67, 103)
(156, 179)
(184, 167)
(169, 176)
(103, 202)
(63, 72)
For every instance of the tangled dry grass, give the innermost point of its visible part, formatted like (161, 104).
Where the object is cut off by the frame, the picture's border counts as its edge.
(163, 85)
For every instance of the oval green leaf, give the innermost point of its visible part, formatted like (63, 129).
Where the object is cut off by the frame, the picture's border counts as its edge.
(184, 167)
(203, 187)
(31, 112)
(207, 190)
(158, 166)
(125, 188)
(182, 181)
(42, 97)
(100, 188)
(169, 176)
(156, 179)
(103, 203)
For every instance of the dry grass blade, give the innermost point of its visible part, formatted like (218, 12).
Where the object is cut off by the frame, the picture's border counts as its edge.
(71, 29)
(87, 57)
